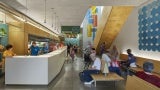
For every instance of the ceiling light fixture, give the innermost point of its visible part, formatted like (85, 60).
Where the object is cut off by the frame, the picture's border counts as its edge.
(45, 10)
(57, 24)
(26, 10)
(52, 16)
(26, 6)
(55, 21)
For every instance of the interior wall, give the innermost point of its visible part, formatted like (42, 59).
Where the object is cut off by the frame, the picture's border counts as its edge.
(86, 39)
(16, 38)
(128, 37)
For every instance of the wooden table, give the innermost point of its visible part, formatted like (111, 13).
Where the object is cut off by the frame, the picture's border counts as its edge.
(108, 77)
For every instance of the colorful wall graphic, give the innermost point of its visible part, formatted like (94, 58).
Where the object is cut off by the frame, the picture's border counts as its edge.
(149, 27)
(92, 21)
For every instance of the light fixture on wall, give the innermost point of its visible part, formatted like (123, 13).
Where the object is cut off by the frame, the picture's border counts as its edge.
(45, 10)
(19, 18)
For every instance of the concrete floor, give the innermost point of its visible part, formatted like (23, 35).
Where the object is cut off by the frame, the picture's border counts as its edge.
(68, 79)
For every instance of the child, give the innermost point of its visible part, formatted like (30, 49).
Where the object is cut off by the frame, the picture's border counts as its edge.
(72, 53)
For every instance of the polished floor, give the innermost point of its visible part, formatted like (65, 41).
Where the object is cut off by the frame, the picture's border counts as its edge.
(68, 79)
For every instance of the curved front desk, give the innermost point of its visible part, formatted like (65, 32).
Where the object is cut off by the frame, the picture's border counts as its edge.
(34, 70)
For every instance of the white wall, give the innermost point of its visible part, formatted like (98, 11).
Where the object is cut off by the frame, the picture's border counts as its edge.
(85, 37)
(128, 38)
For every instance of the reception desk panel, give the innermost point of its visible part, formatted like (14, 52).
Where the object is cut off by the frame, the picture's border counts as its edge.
(34, 70)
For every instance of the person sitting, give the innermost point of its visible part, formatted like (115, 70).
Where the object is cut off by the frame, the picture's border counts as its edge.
(114, 67)
(131, 58)
(87, 58)
(95, 69)
(112, 62)
(147, 74)
(114, 52)
(93, 51)
(106, 58)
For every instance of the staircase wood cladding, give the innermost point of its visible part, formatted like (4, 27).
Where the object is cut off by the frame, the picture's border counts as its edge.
(101, 24)
(113, 26)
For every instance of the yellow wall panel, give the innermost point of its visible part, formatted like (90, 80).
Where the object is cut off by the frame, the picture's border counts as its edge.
(101, 24)
(115, 22)
(16, 38)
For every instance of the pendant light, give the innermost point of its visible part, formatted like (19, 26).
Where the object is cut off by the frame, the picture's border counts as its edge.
(26, 10)
(52, 16)
(57, 24)
(45, 11)
(55, 21)
(26, 6)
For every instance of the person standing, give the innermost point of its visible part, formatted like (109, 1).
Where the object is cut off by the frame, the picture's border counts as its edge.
(45, 48)
(34, 49)
(102, 48)
(7, 53)
(68, 49)
(72, 53)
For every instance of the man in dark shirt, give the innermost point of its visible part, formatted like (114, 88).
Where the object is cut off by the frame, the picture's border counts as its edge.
(131, 58)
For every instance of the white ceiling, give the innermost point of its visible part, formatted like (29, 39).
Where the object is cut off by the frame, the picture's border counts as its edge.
(69, 12)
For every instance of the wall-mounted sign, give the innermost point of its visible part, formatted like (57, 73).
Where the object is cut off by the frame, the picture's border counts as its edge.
(72, 29)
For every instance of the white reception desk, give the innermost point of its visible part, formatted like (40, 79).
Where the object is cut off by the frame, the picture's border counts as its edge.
(34, 70)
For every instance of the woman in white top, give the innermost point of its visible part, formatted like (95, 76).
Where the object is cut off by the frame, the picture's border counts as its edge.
(95, 69)
(112, 63)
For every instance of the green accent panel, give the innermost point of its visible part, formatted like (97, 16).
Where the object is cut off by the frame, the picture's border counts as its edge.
(3, 39)
(3, 34)
(73, 29)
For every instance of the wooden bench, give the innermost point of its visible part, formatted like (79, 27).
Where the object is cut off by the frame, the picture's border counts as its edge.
(108, 77)
(105, 77)
(140, 61)
(136, 83)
